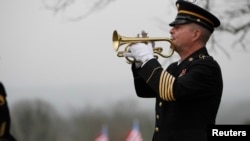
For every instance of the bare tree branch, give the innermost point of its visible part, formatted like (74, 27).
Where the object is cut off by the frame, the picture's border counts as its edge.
(63, 5)
(57, 5)
(235, 20)
(234, 17)
(98, 5)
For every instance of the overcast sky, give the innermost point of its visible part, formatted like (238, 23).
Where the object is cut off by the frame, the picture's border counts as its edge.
(72, 64)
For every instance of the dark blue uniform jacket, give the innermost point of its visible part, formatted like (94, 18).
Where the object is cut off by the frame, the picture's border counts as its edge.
(187, 95)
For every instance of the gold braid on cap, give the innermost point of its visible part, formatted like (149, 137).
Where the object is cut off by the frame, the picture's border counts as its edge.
(197, 15)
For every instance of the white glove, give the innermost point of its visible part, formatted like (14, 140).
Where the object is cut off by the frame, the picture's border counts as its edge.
(140, 52)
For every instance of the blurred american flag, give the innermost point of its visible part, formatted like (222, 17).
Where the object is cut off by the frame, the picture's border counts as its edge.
(134, 134)
(103, 136)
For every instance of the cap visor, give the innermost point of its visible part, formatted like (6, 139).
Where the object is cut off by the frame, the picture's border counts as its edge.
(179, 21)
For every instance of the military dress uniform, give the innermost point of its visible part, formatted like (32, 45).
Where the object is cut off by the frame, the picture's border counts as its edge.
(4, 117)
(187, 95)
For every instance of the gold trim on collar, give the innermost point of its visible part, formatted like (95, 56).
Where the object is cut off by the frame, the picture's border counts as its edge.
(197, 15)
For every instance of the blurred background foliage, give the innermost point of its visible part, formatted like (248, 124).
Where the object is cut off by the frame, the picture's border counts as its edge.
(37, 120)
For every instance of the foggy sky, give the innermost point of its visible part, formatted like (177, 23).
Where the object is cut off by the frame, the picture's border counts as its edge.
(73, 65)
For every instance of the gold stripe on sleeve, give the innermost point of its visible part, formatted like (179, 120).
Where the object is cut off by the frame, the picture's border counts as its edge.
(162, 84)
(2, 102)
(166, 86)
(170, 89)
(2, 129)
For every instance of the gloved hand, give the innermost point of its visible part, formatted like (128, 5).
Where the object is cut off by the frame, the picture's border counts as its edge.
(140, 52)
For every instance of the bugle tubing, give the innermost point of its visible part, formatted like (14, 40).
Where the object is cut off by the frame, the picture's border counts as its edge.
(119, 40)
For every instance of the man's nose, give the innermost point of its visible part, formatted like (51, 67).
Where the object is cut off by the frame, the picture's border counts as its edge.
(171, 31)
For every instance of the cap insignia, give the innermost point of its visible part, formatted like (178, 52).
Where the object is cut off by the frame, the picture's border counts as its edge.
(177, 6)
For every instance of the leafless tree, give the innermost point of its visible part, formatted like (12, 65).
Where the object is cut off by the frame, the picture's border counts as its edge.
(88, 7)
(233, 14)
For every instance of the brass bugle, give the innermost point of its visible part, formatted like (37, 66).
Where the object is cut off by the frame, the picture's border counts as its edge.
(119, 40)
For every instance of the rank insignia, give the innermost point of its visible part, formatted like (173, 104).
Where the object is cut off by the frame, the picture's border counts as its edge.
(183, 72)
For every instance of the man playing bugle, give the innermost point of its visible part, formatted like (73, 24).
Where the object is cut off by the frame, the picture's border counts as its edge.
(188, 93)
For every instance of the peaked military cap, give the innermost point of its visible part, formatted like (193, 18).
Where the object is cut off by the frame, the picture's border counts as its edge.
(189, 12)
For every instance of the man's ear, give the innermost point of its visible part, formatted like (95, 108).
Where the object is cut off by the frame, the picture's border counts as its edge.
(196, 34)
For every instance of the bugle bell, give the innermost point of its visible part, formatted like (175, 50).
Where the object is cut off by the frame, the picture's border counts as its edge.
(119, 40)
